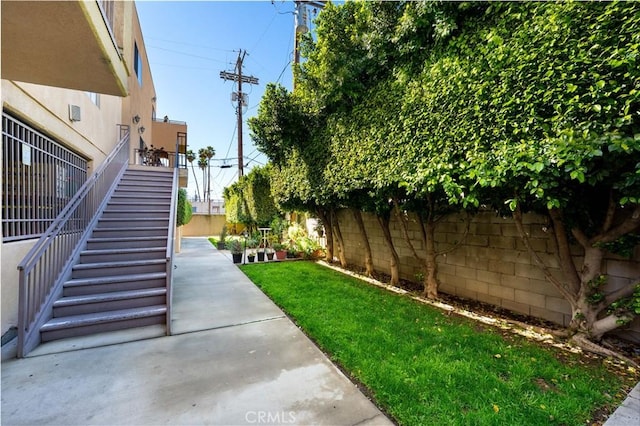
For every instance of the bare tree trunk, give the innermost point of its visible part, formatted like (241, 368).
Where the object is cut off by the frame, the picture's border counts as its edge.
(368, 258)
(338, 238)
(582, 286)
(196, 181)
(328, 231)
(431, 282)
(394, 260)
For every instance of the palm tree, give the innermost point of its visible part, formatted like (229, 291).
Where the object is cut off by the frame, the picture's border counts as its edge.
(202, 164)
(206, 154)
(190, 157)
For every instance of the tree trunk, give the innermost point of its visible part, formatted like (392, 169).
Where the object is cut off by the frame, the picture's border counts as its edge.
(582, 286)
(328, 232)
(368, 258)
(196, 181)
(431, 282)
(394, 260)
(338, 236)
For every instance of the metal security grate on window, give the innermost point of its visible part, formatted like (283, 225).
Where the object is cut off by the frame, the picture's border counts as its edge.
(39, 177)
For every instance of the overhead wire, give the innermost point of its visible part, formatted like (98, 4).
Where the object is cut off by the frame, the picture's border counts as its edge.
(189, 44)
(182, 66)
(185, 54)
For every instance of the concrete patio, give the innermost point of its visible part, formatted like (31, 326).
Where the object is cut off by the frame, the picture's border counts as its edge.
(234, 359)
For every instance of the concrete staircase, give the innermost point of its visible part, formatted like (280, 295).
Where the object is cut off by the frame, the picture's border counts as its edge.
(120, 280)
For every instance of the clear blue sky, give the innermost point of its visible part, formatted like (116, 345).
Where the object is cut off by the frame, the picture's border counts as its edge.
(189, 43)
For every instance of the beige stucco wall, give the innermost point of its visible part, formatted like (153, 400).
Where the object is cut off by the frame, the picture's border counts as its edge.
(12, 254)
(47, 109)
(142, 98)
(492, 265)
(166, 134)
(203, 225)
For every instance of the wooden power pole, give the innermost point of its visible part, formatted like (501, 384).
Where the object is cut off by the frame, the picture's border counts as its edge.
(241, 98)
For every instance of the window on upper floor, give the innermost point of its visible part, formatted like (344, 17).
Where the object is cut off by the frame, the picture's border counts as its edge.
(95, 98)
(137, 63)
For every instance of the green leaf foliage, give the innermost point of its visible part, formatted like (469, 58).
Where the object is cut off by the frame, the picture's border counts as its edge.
(464, 104)
(184, 210)
(249, 200)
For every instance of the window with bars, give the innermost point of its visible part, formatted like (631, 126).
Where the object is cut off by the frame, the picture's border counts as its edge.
(40, 176)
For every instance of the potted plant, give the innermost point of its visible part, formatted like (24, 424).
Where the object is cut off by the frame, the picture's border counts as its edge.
(281, 252)
(235, 247)
(271, 240)
(223, 235)
(292, 252)
(252, 243)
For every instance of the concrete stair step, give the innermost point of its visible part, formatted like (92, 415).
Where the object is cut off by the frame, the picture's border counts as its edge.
(126, 242)
(140, 231)
(142, 200)
(112, 301)
(148, 171)
(106, 269)
(129, 204)
(81, 325)
(122, 254)
(142, 196)
(158, 179)
(96, 285)
(155, 183)
(132, 222)
(113, 213)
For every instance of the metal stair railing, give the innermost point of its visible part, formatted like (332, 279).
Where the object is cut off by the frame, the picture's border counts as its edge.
(170, 247)
(171, 237)
(48, 264)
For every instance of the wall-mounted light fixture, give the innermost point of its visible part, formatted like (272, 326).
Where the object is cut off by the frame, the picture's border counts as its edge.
(136, 119)
(141, 129)
(153, 99)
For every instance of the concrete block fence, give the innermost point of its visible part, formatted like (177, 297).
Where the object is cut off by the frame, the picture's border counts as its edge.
(491, 265)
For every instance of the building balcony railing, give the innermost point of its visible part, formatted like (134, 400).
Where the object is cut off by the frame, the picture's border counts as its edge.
(160, 158)
(166, 120)
(108, 11)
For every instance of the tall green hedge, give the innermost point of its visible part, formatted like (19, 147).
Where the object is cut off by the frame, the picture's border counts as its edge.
(249, 200)
(184, 209)
(516, 106)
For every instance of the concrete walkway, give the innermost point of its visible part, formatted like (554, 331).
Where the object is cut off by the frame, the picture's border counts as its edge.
(628, 414)
(234, 359)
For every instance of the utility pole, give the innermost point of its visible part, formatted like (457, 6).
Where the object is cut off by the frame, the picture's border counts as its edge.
(241, 98)
(302, 23)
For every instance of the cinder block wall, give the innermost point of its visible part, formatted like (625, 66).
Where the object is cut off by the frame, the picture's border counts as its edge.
(491, 265)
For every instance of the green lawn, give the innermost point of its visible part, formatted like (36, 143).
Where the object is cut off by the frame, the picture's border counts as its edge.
(426, 368)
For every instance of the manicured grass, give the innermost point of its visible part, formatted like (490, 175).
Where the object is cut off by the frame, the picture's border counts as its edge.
(426, 368)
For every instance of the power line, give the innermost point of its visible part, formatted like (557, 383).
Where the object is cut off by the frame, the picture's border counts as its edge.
(189, 44)
(231, 141)
(263, 33)
(282, 72)
(186, 54)
(234, 176)
(181, 66)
